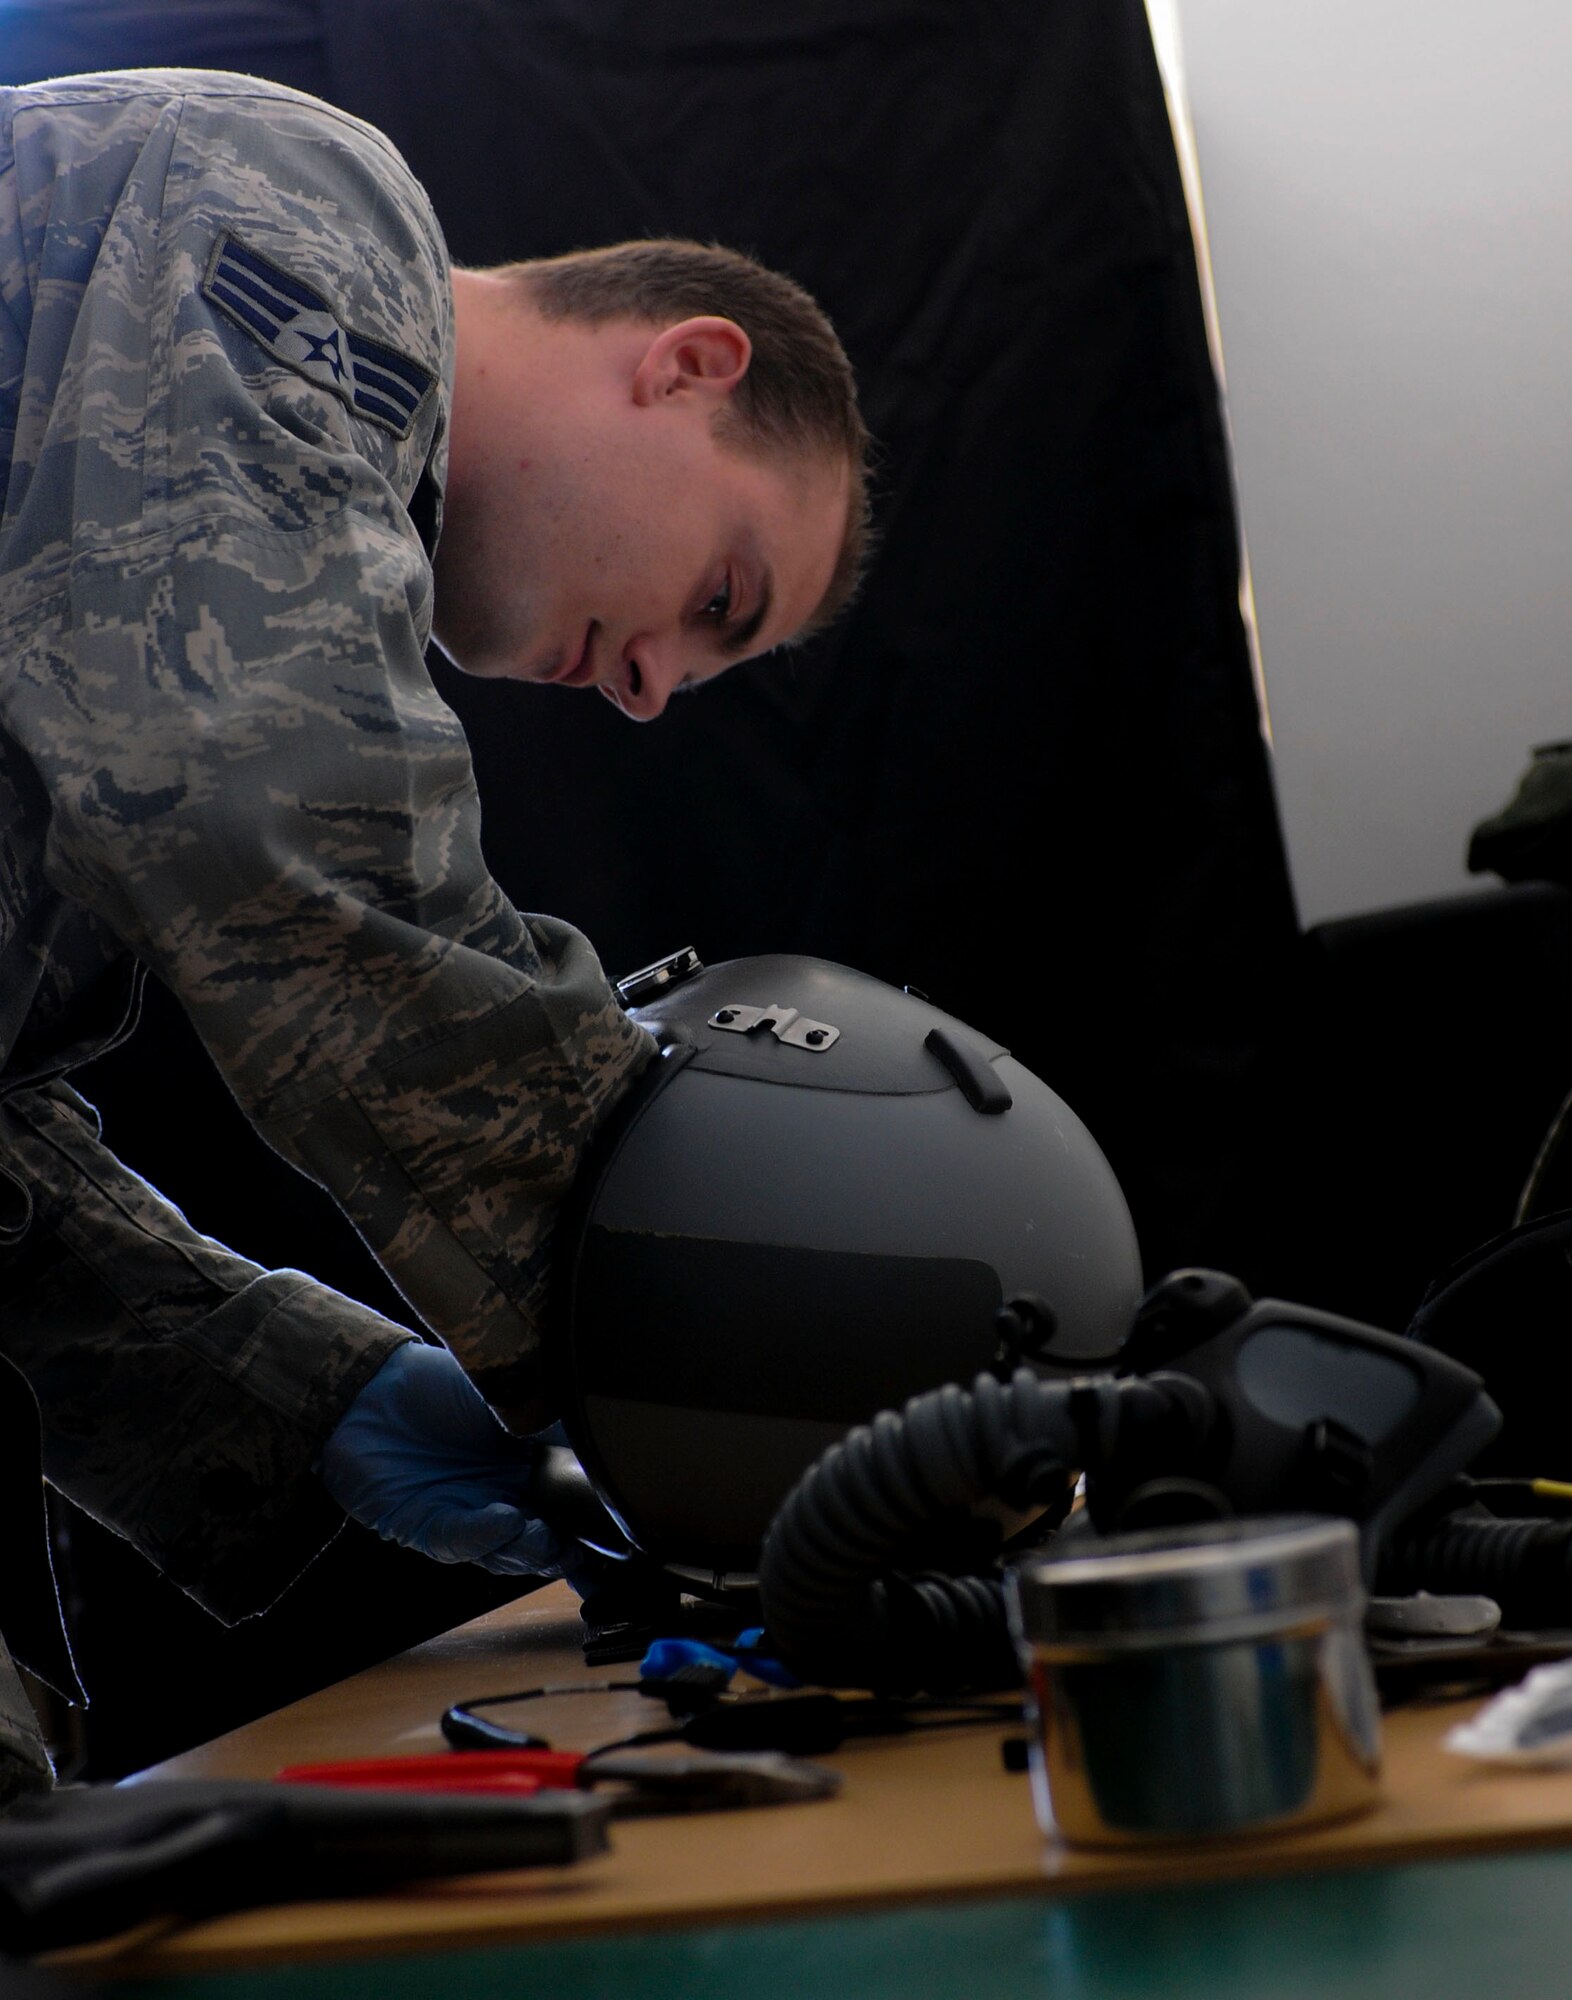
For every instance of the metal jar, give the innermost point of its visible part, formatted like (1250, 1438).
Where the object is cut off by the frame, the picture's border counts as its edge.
(1197, 1681)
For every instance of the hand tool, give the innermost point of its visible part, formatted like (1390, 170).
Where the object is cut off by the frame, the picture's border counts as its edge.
(655, 1781)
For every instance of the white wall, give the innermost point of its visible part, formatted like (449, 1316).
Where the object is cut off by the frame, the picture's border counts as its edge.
(1388, 198)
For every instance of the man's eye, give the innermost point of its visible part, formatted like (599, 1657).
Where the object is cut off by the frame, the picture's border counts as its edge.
(718, 610)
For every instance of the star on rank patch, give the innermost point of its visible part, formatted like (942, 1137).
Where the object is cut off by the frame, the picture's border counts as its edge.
(296, 325)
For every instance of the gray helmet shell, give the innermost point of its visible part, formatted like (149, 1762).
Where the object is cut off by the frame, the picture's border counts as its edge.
(805, 1215)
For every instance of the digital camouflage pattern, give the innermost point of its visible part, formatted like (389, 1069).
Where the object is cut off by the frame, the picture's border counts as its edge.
(32, 1611)
(221, 755)
(24, 1762)
(180, 1384)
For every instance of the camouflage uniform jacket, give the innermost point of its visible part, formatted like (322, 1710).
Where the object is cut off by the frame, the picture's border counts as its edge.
(225, 367)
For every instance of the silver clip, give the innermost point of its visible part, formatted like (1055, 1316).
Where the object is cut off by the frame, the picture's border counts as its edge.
(785, 1023)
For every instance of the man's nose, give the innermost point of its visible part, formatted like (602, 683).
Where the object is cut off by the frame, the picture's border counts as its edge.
(651, 670)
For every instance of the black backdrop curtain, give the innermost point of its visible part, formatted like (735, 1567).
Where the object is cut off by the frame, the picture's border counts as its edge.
(1026, 773)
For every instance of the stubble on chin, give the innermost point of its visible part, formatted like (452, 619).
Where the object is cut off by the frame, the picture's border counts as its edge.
(486, 647)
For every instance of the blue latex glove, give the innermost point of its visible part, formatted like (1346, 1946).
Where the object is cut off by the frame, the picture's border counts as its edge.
(419, 1457)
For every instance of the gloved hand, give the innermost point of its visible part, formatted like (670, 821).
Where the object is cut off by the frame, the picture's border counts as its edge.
(419, 1457)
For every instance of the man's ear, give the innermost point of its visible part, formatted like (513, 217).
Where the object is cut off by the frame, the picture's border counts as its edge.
(704, 357)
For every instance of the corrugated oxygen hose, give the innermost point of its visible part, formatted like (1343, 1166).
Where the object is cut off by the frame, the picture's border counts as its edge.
(836, 1608)
(1526, 1566)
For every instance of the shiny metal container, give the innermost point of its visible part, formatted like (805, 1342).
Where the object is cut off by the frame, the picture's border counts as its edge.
(1199, 1681)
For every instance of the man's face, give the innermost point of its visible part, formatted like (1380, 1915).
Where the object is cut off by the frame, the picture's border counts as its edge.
(604, 536)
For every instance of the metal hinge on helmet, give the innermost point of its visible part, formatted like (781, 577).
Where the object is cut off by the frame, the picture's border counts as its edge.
(785, 1023)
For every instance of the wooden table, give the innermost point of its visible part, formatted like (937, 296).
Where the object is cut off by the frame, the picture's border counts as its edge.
(925, 1821)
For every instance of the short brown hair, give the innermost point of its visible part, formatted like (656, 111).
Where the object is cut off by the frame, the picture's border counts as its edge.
(799, 393)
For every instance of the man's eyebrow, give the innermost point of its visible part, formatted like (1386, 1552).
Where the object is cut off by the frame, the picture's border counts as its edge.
(738, 641)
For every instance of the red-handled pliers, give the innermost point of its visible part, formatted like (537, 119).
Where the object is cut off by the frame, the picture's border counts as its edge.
(469, 1771)
(658, 1782)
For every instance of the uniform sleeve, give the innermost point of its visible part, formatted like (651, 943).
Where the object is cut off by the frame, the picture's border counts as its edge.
(185, 1393)
(24, 1762)
(219, 678)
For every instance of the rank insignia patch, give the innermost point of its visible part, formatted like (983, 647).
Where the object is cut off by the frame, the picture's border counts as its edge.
(297, 326)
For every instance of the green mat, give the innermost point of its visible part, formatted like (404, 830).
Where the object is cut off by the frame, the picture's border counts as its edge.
(1499, 1928)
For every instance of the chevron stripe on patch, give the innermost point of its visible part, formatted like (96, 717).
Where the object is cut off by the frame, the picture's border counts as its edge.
(298, 326)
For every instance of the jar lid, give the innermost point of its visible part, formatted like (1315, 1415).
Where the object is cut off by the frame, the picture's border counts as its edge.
(1211, 1581)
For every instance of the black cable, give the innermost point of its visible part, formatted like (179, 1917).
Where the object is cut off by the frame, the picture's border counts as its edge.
(812, 1724)
(464, 1730)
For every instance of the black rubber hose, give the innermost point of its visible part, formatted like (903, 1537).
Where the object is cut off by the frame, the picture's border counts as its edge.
(832, 1612)
(1526, 1566)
